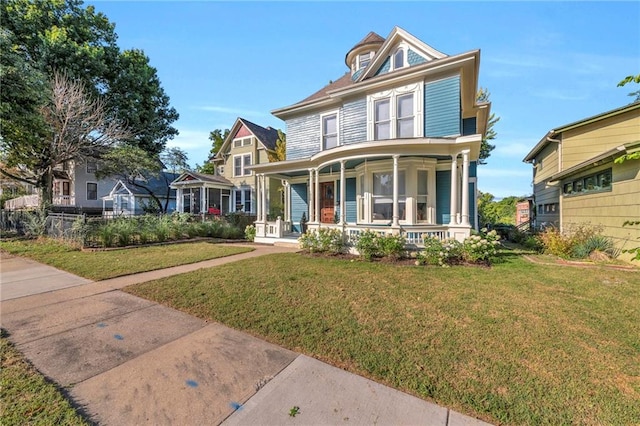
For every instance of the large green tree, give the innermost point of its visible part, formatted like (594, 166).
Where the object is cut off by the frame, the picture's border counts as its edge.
(483, 95)
(217, 138)
(42, 37)
(492, 212)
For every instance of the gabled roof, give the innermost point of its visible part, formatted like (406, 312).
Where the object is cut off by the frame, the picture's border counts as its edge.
(267, 136)
(156, 184)
(548, 138)
(190, 177)
(396, 36)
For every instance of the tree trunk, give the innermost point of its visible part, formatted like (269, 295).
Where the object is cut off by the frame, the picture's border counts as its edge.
(46, 187)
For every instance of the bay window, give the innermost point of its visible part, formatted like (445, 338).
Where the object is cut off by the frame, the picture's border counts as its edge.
(383, 195)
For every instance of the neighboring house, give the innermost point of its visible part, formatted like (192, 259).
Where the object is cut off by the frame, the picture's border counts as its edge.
(75, 189)
(576, 180)
(392, 145)
(523, 212)
(233, 188)
(126, 199)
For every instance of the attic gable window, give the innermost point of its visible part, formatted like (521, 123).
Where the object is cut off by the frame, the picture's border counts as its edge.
(364, 60)
(237, 143)
(398, 59)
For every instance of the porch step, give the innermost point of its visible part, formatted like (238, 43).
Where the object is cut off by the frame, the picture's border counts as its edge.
(290, 244)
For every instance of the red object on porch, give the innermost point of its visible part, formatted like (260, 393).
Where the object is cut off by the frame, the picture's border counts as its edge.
(213, 210)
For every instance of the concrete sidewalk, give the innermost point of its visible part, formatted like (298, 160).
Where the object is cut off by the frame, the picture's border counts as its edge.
(129, 361)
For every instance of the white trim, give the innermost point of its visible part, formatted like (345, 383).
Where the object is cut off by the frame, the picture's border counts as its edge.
(86, 194)
(322, 117)
(242, 141)
(416, 90)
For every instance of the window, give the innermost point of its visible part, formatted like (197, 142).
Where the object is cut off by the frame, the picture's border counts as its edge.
(237, 143)
(398, 59)
(363, 60)
(242, 198)
(382, 120)
(421, 201)
(383, 195)
(595, 182)
(395, 113)
(405, 116)
(329, 131)
(220, 170)
(240, 164)
(92, 191)
(92, 166)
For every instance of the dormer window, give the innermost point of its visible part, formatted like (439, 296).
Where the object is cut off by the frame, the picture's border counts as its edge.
(363, 60)
(399, 58)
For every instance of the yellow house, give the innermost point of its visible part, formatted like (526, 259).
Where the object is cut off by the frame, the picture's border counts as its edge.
(233, 187)
(576, 178)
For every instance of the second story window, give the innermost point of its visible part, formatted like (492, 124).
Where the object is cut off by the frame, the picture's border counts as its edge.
(382, 119)
(329, 131)
(240, 164)
(405, 116)
(92, 166)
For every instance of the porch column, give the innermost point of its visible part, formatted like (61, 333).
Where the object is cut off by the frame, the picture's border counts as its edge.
(396, 210)
(263, 204)
(258, 198)
(285, 188)
(179, 207)
(311, 196)
(317, 200)
(203, 194)
(465, 188)
(343, 191)
(454, 190)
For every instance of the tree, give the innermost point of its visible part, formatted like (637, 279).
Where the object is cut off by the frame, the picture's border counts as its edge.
(74, 127)
(175, 160)
(217, 138)
(631, 79)
(40, 37)
(280, 153)
(495, 212)
(486, 148)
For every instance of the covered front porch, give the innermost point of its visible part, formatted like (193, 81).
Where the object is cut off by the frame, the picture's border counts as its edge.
(199, 193)
(418, 188)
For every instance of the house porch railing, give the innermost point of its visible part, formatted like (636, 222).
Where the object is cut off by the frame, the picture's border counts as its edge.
(32, 201)
(274, 229)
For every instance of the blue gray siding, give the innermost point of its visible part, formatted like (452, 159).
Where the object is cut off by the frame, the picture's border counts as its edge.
(384, 68)
(303, 136)
(414, 59)
(353, 122)
(298, 204)
(442, 107)
(468, 126)
(443, 197)
(473, 169)
(350, 200)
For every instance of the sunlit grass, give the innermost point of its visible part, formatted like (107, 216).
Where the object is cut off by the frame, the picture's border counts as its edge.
(517, 343)
(26, 397)
(100, 265)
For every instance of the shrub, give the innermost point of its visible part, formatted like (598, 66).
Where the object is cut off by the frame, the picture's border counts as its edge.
(441, 253)
(574, 242)
(324, 240)
(392, 246)
(35, 224)
(367, 244)
(595, 243)
(250, 232)
(556, 243)
(481, 248)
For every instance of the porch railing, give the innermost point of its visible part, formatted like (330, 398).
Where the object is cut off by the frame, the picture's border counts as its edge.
(33, 201)
(414, 235)
(276, 229)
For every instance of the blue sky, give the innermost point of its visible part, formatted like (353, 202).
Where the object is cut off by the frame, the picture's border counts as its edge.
(546, 64)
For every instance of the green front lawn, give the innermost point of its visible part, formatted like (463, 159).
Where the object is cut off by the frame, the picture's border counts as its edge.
(517, 343)
(26, 397)
(100, 265)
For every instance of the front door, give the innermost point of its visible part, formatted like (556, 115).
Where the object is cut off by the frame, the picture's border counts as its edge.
(327, 202)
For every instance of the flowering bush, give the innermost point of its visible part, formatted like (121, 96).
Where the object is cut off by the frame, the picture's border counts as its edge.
(324, 240)
(370, 244)
(441, 253)
(250, 232)
(481, 248)
(475, 249)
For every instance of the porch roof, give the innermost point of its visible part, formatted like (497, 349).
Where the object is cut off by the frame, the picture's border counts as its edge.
(355, 154)
(191, 179)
